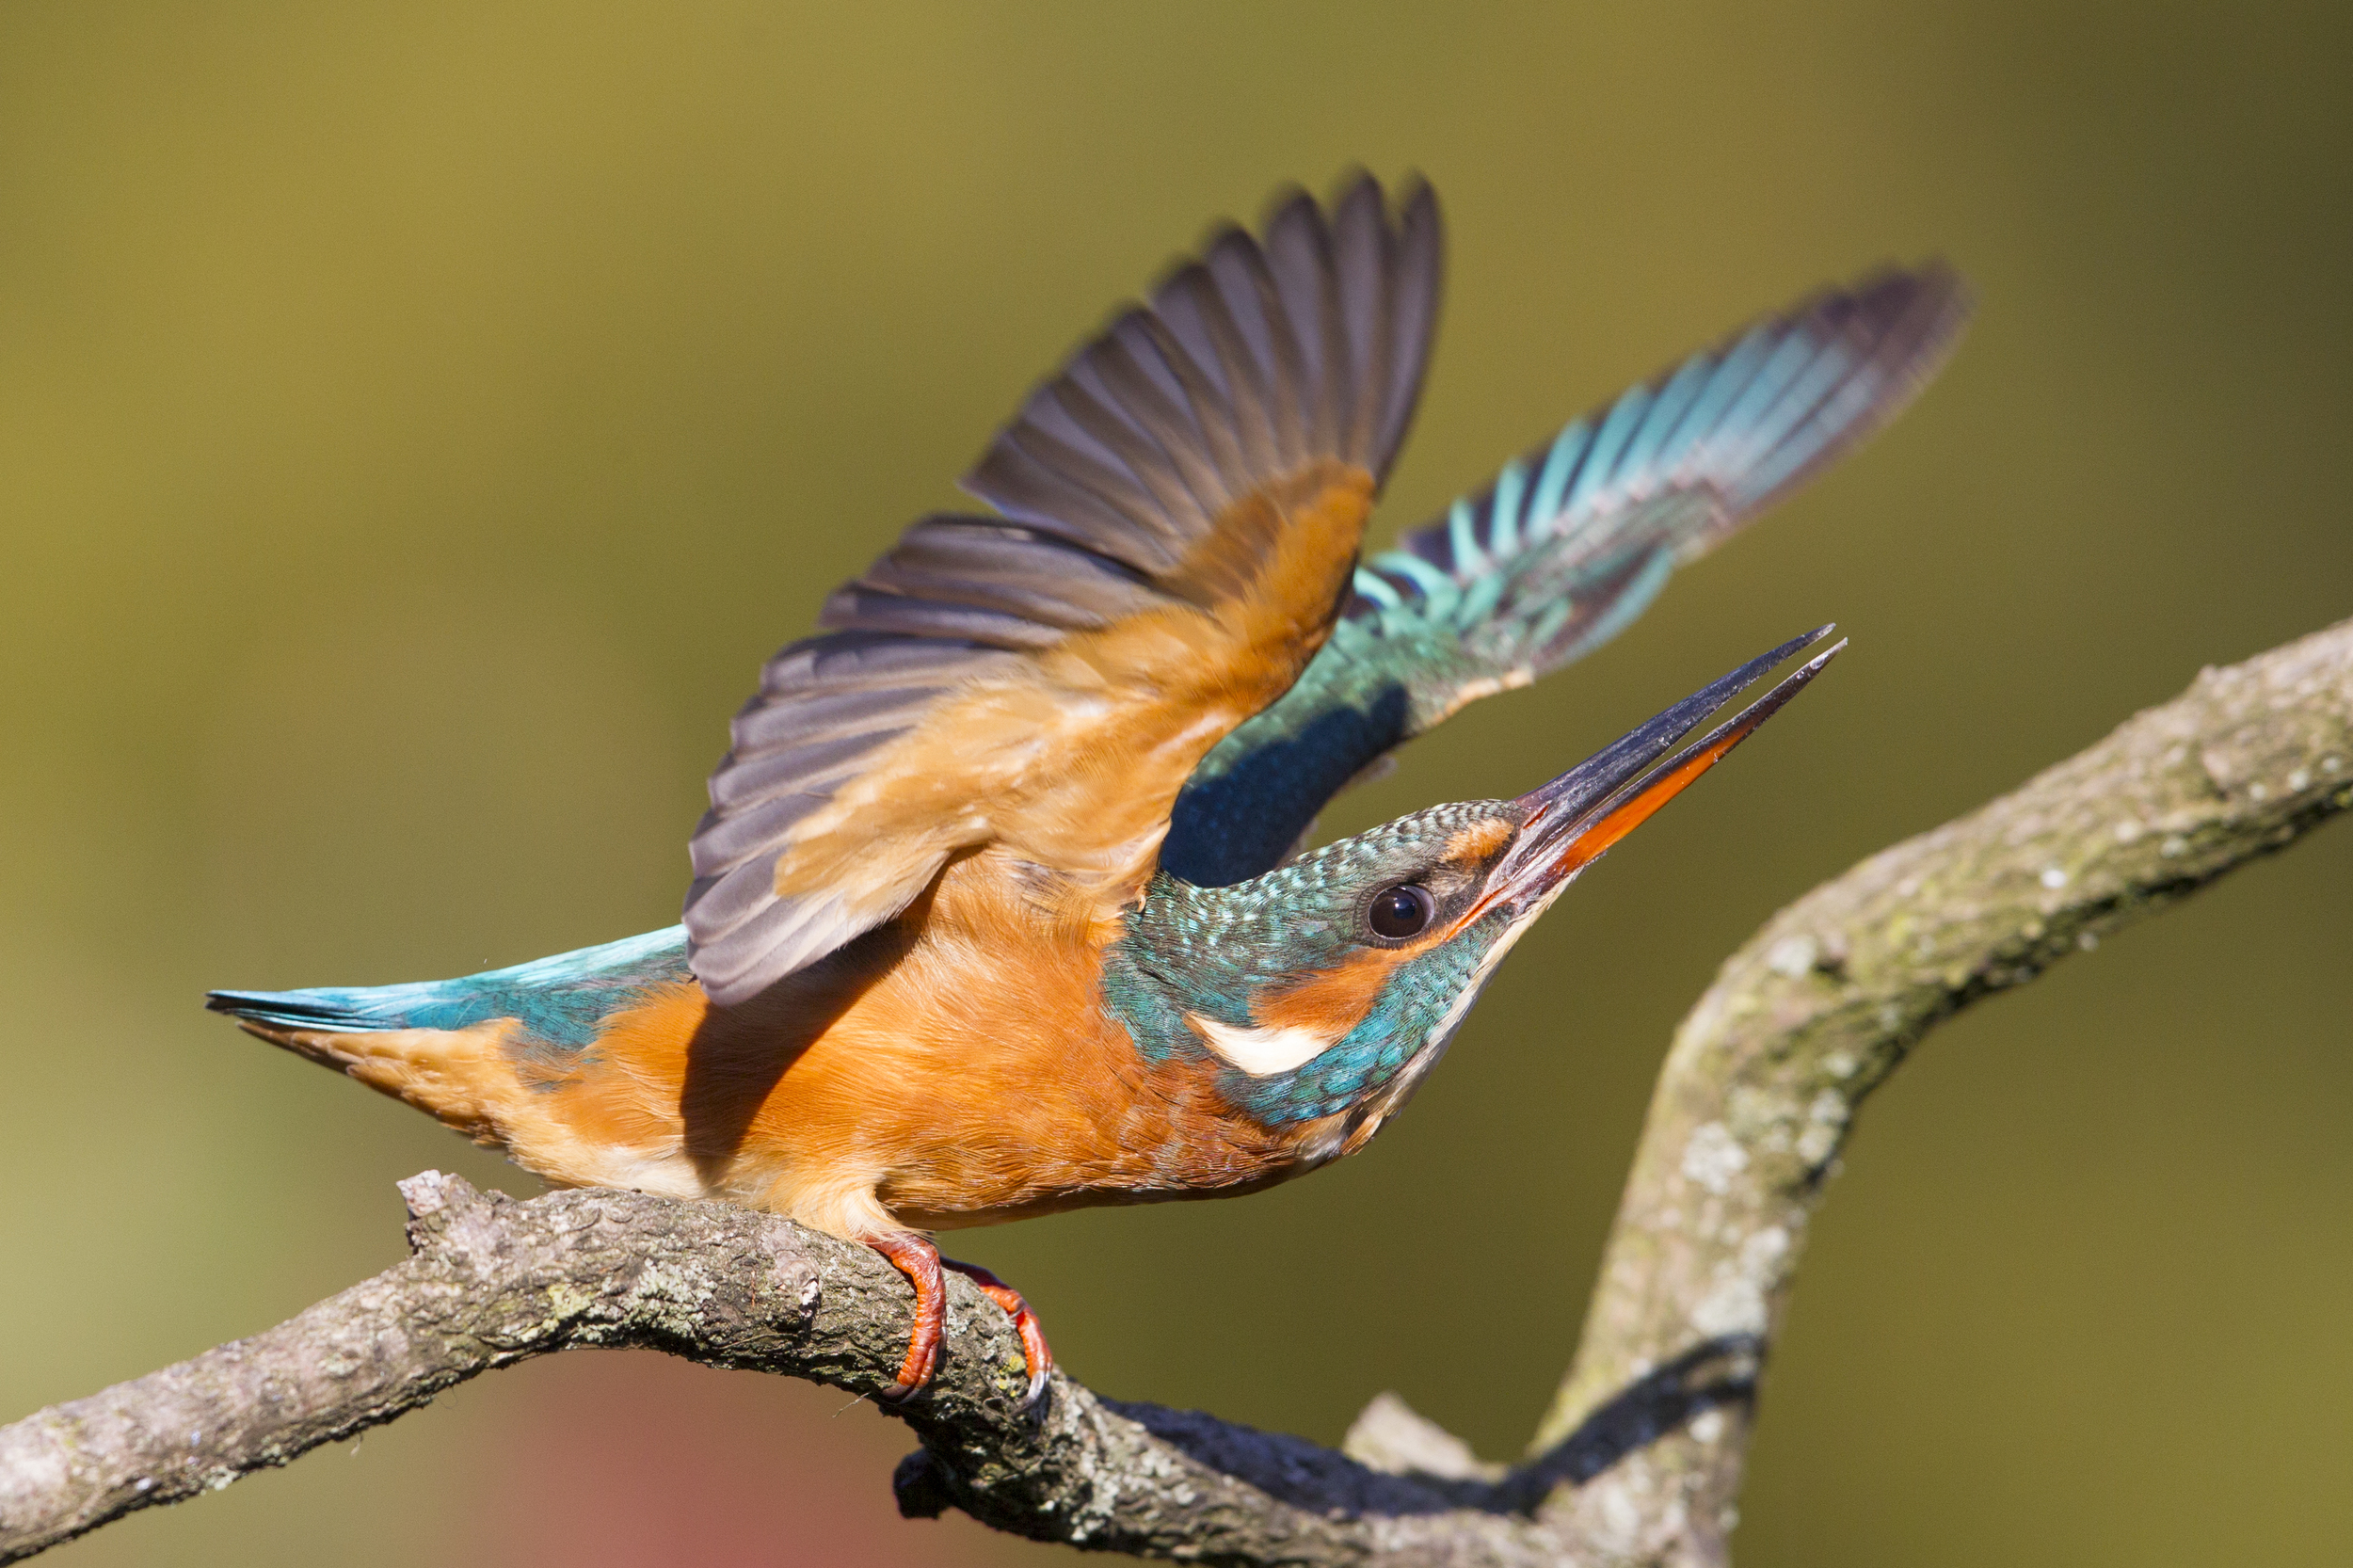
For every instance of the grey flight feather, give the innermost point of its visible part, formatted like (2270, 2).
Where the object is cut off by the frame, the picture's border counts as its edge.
(1247, 366)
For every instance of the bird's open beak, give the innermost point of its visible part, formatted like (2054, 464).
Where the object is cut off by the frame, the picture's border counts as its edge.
(1574, 819)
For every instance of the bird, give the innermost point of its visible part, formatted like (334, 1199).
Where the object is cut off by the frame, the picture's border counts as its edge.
(1003, 905)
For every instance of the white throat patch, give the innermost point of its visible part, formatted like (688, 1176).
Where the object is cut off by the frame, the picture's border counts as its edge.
(1261, 1052)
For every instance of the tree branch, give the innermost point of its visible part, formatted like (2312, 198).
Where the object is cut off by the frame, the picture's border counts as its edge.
(1640, 1457)
(1761, 1086)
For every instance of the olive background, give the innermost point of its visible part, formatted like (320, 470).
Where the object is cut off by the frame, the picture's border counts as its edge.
(418, 421)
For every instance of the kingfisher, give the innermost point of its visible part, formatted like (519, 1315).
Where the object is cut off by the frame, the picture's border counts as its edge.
(1002, 905)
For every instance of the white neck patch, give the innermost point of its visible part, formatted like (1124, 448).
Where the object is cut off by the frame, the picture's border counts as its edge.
(1259, 1050)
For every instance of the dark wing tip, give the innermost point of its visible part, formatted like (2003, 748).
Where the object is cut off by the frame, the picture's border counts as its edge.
(1336, 367)
(1925, 308)
(1421, 285)
(1905, 322)
(1255, 359)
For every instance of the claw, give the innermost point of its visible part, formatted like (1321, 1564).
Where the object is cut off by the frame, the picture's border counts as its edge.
(915, 1256)
(1034, 1355)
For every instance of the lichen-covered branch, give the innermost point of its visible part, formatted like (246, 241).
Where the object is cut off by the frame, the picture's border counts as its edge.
(493, 1282)
(1639, 1459)
(1818, 1008)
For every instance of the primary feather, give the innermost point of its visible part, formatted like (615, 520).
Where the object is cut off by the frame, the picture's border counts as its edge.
(1179, 508)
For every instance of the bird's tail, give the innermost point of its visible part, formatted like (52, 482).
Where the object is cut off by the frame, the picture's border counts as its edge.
(473, 1050)
(334, 1009)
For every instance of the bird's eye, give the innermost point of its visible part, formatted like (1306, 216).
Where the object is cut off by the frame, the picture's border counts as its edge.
(1400, 911)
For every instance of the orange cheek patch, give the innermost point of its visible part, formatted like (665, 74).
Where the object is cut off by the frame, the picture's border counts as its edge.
(1335, 1000)
(1478, 840)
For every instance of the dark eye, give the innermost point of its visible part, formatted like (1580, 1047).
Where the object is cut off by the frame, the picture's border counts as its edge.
(1400, 911)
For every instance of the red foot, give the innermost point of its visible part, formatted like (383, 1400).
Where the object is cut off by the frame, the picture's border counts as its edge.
(916, 1258)
(1034, 1355)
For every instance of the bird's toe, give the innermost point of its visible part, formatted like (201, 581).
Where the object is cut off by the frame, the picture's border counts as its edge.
(1036, 1357)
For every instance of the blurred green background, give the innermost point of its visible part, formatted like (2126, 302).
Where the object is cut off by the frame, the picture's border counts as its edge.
(418, 421)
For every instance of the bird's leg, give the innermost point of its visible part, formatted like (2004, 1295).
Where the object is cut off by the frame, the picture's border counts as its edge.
(915, 1256)
(1034, 1355)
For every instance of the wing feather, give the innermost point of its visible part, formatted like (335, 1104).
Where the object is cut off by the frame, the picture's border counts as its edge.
(1565, 547)
(1179, 510)
(982, 562)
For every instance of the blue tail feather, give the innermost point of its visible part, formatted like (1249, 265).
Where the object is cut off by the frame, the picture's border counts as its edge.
(559, 1000)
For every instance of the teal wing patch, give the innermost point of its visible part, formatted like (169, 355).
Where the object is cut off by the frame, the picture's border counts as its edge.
(1566, 548)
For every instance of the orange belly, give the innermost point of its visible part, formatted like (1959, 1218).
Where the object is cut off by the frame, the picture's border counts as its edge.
(953, 1068)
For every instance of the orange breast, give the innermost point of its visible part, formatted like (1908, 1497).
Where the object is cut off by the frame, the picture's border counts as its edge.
(952, 1069)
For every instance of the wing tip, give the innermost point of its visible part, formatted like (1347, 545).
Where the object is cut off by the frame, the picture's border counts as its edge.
(1257, 357)
(1914, 317)
(1411, 228)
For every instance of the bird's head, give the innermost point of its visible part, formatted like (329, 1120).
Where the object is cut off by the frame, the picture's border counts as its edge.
(1328, 987)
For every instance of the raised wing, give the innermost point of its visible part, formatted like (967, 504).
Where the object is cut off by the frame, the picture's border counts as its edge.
(1180, 509)
(1568, 545)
